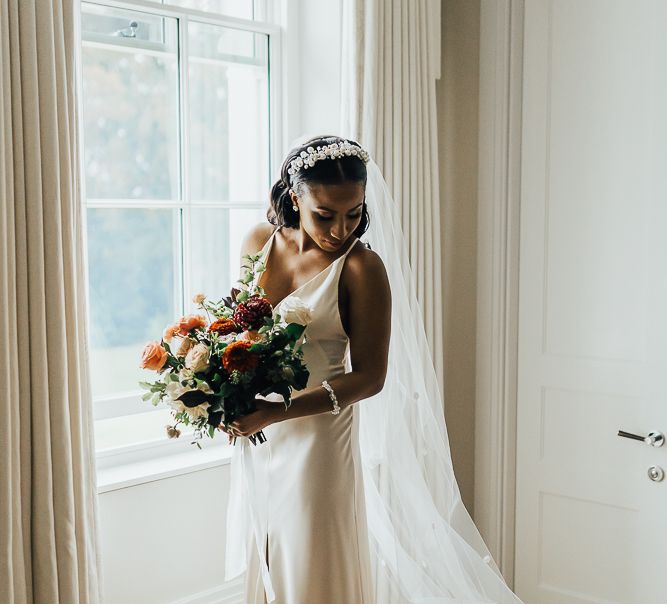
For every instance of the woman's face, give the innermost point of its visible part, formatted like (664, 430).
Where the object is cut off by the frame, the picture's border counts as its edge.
(329, 214)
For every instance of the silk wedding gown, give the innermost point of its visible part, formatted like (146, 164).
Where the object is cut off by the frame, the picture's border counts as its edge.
(308, 477)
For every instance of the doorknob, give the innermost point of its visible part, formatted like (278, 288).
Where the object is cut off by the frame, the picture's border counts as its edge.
(656, 473)
(655, 439)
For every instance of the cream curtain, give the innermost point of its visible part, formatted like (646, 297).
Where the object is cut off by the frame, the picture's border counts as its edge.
(391, 60)
(48, 507)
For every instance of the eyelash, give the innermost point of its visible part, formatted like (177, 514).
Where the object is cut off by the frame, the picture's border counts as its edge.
(327, 218)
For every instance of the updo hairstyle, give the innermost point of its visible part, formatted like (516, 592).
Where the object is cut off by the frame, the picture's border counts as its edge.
(349, 168)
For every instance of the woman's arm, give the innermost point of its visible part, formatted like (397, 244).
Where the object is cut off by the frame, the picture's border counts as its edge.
(254, 241)
(369, 318)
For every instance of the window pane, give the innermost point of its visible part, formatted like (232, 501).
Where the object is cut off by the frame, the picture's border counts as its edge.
(130, 28)
(130, 104)
(242, 9)
(217, 233)
(133, 266)
(228, 95)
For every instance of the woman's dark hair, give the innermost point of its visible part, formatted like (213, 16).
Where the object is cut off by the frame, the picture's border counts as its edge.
(349, 168)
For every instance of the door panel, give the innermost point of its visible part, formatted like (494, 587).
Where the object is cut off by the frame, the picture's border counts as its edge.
(591, 525)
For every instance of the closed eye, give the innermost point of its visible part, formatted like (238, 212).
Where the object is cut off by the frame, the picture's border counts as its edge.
(327, 218)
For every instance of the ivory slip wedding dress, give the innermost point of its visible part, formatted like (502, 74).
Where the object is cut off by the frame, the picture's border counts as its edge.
(307, 479)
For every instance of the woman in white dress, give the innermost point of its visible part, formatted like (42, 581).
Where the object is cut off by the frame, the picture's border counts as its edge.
(317, 534)
(352, 498)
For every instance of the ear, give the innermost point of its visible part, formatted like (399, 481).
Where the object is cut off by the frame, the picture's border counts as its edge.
(293, 195)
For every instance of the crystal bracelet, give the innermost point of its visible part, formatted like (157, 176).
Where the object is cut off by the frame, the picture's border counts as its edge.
(332, 396)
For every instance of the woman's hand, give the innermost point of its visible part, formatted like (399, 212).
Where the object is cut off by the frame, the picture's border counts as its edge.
(263, 416)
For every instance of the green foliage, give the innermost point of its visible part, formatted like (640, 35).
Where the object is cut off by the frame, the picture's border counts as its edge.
(295, 330)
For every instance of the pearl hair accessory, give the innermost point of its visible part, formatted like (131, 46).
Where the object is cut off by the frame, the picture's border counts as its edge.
(332, 396)
(311, 155)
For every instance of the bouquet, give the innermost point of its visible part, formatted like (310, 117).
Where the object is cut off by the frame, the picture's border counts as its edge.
(239, 350)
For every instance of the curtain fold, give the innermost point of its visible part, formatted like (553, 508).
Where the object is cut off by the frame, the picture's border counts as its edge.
(391, 60)
(49, 518)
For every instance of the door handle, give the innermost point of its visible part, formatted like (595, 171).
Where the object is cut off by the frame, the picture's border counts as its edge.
(655, 439)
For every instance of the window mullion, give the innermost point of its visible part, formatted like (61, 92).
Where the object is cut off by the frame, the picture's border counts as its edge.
(184, 121)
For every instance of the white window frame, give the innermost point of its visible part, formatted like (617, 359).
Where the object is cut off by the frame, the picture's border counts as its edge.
(140, 462)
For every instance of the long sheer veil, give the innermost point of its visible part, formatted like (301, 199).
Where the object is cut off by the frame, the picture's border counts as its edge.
(425, 548)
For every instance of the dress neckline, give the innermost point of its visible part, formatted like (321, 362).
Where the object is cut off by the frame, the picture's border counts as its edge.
(269, 246)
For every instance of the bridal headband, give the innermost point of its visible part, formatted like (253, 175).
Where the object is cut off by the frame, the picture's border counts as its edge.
(311, 155)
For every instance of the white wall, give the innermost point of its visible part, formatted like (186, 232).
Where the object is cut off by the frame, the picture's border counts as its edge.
(163, 541)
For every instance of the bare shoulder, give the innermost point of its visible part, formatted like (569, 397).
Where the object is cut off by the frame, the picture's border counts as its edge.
(256, 237)
(365, 270)
(366, 313)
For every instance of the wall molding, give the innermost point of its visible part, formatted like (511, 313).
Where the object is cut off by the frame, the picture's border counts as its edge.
(501, 63)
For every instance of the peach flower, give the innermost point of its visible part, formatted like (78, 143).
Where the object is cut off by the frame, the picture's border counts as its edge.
(189, 322)
(153, 357)
(251, 336)
(169, 333)
(185, 346)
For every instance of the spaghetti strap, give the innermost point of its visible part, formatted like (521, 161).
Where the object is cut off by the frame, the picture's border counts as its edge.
(269, 241)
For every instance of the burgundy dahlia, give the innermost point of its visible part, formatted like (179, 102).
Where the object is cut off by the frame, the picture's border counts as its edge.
(250, 314)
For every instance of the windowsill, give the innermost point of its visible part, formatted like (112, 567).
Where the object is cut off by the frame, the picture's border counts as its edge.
(164, 466)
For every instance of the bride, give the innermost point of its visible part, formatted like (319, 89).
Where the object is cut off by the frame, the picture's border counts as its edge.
(352, 498)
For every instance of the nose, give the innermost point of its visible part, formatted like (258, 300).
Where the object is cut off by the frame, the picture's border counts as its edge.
(338, 231)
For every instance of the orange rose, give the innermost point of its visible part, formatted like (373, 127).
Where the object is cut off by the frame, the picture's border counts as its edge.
(154, 356)
(237, 357)
(189, 322)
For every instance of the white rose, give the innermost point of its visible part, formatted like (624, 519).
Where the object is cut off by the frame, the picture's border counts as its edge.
(198, 357)
(294, 310)
(174, 390)
(194, 412)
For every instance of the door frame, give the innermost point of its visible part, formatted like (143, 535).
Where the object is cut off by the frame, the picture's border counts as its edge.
(498, 223)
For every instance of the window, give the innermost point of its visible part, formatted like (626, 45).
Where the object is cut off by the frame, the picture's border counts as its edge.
(177, 155)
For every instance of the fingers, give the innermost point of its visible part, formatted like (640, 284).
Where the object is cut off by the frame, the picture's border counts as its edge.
(234, 430)
(229, 431)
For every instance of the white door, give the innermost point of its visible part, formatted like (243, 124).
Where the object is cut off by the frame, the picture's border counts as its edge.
(591, 523)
